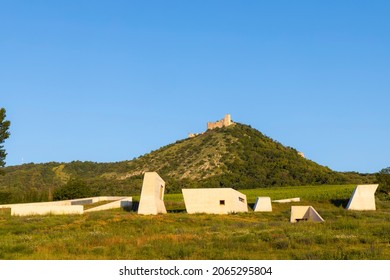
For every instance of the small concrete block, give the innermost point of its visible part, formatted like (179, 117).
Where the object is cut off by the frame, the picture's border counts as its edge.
(263, 204)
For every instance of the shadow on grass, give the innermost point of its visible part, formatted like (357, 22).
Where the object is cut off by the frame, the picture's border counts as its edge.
(135, 205)
(251, 206)
(132, 208)
(176, 211)
(339, 202)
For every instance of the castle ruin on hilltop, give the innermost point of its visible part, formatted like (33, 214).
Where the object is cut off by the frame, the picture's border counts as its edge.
(226, 121)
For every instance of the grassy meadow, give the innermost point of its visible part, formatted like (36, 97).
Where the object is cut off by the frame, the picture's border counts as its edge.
(119, 234)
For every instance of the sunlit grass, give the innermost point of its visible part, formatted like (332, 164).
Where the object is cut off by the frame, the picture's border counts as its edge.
(118, 234)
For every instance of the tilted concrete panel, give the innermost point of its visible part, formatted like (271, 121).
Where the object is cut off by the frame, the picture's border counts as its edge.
(122, 203)
(263, 204)
(363, 198)
(304, 213)
(214, 201)
(27, 210)
(64, 207)
(287, 200)
(152, 195)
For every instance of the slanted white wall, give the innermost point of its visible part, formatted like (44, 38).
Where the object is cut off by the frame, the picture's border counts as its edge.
(363, 198)
(287, 200)
(152, 195)
(122, 203)
(214, 201)
(67, 206)
(263, 204)
(26, 210)
(304, 213)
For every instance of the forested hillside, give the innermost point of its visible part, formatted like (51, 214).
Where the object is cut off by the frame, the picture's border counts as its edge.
(237, 156)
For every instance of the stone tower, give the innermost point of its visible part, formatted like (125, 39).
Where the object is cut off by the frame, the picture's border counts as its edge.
(226, 121)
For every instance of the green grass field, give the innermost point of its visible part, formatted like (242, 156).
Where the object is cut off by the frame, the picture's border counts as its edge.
(119, 234)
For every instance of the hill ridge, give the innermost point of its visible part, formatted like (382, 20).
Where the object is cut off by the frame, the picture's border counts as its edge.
(236, 156)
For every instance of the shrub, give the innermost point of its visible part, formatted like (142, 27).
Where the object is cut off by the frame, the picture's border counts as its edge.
(383, 178)
(75, 188)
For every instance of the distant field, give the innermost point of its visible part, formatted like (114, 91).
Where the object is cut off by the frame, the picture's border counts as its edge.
(117, 234)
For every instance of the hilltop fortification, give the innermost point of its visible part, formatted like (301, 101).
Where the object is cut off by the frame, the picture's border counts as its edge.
(226, 121)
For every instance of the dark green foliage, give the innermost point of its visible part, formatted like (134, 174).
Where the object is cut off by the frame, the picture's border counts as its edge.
(383, 178)
(237, 157)
(75, 188)
(4, 134)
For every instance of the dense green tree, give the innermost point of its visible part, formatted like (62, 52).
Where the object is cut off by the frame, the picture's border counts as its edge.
(4, 134)
(383, 178)
(75, 188)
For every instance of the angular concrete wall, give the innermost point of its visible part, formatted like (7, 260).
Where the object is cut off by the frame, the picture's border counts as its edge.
(305, 213)
(363, 198)
(64, 207)
(287, 200)
(214, 201)
(152, 195)
(27, 210)
(263, 204)
(77, 201)
(122, 203)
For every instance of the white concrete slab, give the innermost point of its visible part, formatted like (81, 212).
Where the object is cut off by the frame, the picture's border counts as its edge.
(287, 200)
(28, 210)
(64, 207)
(122, 203)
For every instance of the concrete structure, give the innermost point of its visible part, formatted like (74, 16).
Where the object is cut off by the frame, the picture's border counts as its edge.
(304, 213)
(67, 207)
(263, 204)
(28, 210)
(214, 201)
(363, 198)
(121, 203)
(226, 121)
(152, 195)
(287, 200)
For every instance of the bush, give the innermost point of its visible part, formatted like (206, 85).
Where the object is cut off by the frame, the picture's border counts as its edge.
(75, 188)
(383, 178)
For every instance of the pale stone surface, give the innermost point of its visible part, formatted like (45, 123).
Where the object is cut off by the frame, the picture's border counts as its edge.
(263, 204)
(226, 121)
(122, 203)
(64, 207)
(27, 210)
(306, 213)
(214, 201)
(287, 200)
(152, 195)
(77, 201)
(363, 198)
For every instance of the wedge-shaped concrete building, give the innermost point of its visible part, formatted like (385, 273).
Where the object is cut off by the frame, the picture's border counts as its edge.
(304, 213)
(363, 198)
(152, 195)
(214, 201)
(263, 204)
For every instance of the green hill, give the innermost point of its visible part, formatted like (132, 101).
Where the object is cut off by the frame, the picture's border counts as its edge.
(237, 156)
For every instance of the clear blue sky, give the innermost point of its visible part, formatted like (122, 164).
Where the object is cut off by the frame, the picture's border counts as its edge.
(108, 81)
